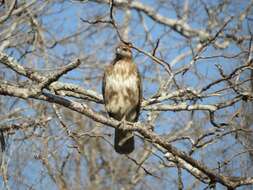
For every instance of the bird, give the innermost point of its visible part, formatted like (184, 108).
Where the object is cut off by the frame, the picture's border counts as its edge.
(122, 94)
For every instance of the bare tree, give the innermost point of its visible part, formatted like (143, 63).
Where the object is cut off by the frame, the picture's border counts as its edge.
(195, 128)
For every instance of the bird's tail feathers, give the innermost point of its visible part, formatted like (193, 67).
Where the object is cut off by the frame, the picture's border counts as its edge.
(123, 141)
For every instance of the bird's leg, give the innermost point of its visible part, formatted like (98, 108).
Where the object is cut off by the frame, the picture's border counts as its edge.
(128, 135)
(123, 122)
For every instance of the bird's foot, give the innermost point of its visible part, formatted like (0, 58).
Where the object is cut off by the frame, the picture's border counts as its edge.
(122, 126)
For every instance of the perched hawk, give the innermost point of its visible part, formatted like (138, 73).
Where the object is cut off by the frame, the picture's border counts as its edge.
(122, 94)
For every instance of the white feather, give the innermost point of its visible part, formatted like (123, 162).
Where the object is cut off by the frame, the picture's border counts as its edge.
(120, 83)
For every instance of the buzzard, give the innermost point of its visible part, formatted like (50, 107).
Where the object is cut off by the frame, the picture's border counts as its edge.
(122, 93)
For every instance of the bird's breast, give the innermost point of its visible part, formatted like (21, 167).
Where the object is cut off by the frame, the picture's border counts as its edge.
(122, 90)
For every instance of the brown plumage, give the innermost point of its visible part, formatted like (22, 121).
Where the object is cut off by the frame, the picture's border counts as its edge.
(122, 94)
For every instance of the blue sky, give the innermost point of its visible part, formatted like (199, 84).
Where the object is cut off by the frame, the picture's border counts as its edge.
(66, 20)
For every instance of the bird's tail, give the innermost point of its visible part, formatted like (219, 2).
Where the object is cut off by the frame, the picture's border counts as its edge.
(123, 141)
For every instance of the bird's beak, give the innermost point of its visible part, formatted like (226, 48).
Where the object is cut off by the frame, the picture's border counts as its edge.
(118, 50)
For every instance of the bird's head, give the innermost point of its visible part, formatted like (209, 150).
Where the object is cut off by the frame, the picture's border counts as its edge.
(123, 51)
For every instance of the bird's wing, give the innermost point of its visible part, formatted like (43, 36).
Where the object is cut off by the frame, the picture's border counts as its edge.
(139, 83)
(103, 85)
(107, 72)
